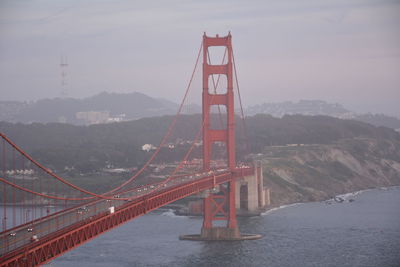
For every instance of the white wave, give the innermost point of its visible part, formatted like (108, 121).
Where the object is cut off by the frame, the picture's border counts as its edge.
(352, 194)
(278, 208)
(171, 213)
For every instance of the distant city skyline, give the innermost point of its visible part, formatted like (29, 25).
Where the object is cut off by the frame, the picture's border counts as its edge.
(344, 52)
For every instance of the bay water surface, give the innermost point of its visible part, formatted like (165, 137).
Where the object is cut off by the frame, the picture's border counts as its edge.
(363, 232)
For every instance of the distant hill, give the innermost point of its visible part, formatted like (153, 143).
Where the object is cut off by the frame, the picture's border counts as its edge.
(304, 107)
(120, 144)
(100, 108)
(318, 107)
(380, 120)
(305, 158)
(299, 129)
(319, 172)
(114, 107)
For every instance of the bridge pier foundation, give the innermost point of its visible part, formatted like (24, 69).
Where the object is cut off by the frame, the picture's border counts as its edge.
(220, 207)
(220, 233)
(252, 197)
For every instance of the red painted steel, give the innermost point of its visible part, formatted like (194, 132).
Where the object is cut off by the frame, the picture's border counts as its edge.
(227, 135)
(217, 206)
(64, 240)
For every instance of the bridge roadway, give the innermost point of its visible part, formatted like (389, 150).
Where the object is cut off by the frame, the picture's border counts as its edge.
(18, 245)
(22, 235)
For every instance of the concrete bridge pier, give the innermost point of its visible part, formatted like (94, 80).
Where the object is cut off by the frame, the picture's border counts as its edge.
(251, 195)
(248, 195)
(220, 206)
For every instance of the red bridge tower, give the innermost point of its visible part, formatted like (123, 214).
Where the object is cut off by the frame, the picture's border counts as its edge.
(219, 206)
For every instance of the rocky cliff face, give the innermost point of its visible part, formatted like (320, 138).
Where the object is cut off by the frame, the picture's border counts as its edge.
(299, 173)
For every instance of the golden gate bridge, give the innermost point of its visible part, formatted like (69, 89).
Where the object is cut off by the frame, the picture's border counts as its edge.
(33, 235)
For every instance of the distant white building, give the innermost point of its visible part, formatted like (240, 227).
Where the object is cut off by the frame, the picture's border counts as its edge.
(93, 117)
(97, 117)
(117, 118)
(116, 170)
(148, 147)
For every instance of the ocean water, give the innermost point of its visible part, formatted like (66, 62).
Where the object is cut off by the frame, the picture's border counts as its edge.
(363, 232)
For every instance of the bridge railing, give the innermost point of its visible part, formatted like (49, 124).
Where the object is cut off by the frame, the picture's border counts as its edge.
(61, 241)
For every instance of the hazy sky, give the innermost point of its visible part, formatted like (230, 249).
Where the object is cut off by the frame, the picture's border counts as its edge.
(344, 51)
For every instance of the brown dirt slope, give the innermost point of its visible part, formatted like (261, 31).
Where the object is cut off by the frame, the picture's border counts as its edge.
(301, 173)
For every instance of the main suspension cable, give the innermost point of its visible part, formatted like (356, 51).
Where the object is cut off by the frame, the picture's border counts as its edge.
(182, 162)
(103, 196)
(169, 132)
(48, 171)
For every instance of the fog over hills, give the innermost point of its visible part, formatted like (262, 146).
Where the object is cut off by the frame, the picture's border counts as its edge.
(100, 108)
(116, 107)
(318, 107)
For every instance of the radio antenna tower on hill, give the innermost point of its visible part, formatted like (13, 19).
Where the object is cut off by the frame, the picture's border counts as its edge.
(63, 66)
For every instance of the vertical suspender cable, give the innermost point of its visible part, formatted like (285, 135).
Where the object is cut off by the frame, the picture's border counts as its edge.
(4, 188)
(241, 106)
(13, 190)
(22, 192)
